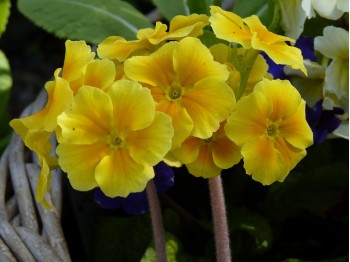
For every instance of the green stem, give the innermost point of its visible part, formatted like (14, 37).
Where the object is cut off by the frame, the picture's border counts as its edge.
(222, 239)
(157, 222)
(247, 63)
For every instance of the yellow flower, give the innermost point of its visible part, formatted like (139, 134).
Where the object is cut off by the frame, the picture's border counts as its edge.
(207, 157)
(150, 39)
(251, 33)
(187, 84)
(112, 140)
(270, 126)
(79, 69)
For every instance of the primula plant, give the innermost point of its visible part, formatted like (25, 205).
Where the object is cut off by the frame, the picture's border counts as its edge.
(197, 93)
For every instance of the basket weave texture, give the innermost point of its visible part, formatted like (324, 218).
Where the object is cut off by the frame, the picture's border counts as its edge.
(28, 231)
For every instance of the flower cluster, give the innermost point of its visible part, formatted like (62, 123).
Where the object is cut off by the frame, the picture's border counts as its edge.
(168, 97)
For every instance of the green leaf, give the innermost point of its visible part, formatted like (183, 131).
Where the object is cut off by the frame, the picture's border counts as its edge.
(208, 39)
(262, 8)
(89, 20)
(251, 234)
(5, 87)
(171, 249)
(4, 14)
(313, 191)
(338, 259)
(199, 6)
(171, 8)
(121, 238)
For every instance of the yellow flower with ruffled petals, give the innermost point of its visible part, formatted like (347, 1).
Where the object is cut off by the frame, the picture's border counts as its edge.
(251, 33)
(207, 157)
(150, 39)
(79, 69)
(112, 140)
(187, 84)
(270, 126)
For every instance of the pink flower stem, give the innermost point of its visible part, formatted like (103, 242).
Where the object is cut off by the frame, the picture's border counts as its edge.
(222, 239)
(157, 222)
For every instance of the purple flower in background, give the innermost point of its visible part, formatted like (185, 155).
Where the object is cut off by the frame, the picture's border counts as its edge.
(305, 44)
(137, 203)
(322, 122)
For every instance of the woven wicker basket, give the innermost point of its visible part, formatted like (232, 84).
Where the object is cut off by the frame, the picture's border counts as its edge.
(28, 232)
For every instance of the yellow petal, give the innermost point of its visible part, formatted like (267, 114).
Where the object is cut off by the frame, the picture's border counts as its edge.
(156, 69)
(78, 55)
(100, 74)
(43, 185)
(296, 130)
(291, 155)
(193, 66)
(148, 146)
(204, 165)
(133, 105)
(264, 162)
(191, 25)
(119, 175)
(208, 103)
(225, 153)
(115, 47)
(181, 121)
(229, 26)
(261, 32)
(89, 118)
(249, 120)
(80, 161)
(59, 98)
(284, 98)
(153, 35)
(274, 45)
(188, 151)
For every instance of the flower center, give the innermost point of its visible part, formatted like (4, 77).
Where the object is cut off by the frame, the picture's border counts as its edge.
(174, 92)
(208, 140)
(115, 141)
(271, 130)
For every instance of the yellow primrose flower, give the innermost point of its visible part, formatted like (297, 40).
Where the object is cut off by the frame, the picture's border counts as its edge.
(79, 69)
(188, 86)
(207, 157)
(251, 33)
(149, 39)
(112, 140)
(270, 126)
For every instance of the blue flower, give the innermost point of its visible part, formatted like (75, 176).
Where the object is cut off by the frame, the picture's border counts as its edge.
(136, 203)
(322, 122)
